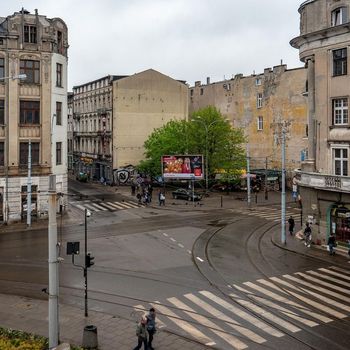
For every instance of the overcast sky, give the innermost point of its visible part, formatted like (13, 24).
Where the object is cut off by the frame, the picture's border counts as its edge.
(185, 39)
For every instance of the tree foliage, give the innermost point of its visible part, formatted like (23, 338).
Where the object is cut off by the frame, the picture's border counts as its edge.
(206, 132)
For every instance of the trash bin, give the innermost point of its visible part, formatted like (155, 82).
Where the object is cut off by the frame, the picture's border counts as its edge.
(90, 337)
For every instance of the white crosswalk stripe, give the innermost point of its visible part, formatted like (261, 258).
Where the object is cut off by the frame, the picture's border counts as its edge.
(105, 206)
(267, 213)
(260, 310)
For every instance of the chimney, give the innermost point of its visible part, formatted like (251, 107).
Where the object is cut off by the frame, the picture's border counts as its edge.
(197, 83)
(208, 80)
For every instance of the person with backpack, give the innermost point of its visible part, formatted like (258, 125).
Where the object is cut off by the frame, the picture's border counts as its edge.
(291, 223)
(141, 333)
(307, 235)
(151, 326)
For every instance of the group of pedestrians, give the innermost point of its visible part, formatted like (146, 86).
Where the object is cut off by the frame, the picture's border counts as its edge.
(144, 195)
(145, 330)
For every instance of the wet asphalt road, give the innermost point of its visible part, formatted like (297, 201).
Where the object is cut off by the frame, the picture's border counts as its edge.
(179, 258)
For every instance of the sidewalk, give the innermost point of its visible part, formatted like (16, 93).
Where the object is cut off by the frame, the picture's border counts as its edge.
(114, 333)
(296, 244)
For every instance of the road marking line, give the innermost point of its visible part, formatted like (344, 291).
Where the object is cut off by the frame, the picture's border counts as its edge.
(106, 205)
(335, 274)
(340, 269)
(242, 314)
(80, 207)
(90, 207)
(326, 284)
(125, 205)
(229, 321)
(115, 205)
(189, 252)
(198, 258)
(172, 239)
(318, 288)
(165, 234)
(187, 327)
(335, 280)
(181, 245)
(230, 339)
(286, 301)
(269, 316)
(133, 204)
(98, 206)
(285, 311)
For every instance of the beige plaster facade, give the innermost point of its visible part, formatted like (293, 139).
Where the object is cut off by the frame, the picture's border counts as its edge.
(34, 45)
(142, 103)
(114, 115)
(324, 179)
(260, 104)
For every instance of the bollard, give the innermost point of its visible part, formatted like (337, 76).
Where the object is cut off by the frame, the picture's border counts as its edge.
(221, 202)
(90, 337)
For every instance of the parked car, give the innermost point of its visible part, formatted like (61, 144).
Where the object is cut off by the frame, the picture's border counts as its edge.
(82, 177)
(181, 193)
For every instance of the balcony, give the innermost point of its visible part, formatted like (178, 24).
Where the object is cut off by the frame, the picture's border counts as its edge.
(323, 181)
(29, 131)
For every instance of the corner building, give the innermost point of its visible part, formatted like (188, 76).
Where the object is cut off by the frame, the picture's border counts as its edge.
(33, 109)
(324, 181)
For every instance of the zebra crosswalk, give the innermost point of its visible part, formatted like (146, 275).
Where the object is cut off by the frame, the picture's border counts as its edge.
(96, 206)
(256, 312)
(268, 213)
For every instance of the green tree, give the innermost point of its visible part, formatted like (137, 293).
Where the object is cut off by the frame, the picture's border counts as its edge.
(206, 132)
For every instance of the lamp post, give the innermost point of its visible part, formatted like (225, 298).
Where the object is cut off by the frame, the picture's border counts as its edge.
(206, 127)
(7, 133)
(86, 215)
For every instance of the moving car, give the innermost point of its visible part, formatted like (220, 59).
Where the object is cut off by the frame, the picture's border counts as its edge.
(181, 193)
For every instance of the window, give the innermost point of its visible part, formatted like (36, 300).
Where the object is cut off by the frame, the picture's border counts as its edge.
(260, 123)
(202, 91)
(340, 161)
(259, 99)
(258, 81)
(58, 153)
(29, 112)
(30, 34)
(58, 113)
(31, 69)
(339, 16)
(59, 74)
(2, 153)
(2, 112)
(23, 153)
(340, 111)
(2, 67)
(59, 42)
(191, 92)
(340, 62)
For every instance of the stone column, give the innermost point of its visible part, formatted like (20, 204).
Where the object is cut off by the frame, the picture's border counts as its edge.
(309, 164)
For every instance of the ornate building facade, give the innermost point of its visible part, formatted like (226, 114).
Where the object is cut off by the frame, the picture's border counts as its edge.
(32, 109)
(324, 180)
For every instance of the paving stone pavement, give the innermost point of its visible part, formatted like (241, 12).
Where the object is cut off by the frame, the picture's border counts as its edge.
(114, 333)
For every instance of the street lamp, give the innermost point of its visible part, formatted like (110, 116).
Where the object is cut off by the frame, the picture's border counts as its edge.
(7, 141)
(206, 127)
(87, 214)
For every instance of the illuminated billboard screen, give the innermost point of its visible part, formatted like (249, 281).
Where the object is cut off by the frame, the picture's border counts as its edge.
(182, 167)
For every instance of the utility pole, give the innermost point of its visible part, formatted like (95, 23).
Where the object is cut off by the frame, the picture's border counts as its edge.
(53, 266)
(85, 265)
(283, 195)
(29, 186)
(248, 177)
(266, 191)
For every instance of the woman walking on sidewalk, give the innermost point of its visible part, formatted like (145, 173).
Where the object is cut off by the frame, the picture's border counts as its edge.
(141, 333)
(291, 225)
(307, 235)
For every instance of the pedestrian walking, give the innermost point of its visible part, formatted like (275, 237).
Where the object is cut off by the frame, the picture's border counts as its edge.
(291, 225)
(151, 326)
(141, 333)
(331, 244)
(161, 198)
(307, 235)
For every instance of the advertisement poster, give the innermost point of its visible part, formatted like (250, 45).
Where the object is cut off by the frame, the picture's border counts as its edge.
(184, 167)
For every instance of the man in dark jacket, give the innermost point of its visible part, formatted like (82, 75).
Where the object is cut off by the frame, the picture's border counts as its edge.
(331, 244)
(141, 333)
(307, 235)
(291, 225)
(151, 326)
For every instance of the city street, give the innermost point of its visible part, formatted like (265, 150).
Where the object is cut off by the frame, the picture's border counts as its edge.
(213, 274)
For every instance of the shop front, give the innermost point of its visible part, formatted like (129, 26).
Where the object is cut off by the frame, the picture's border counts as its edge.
(340, 222)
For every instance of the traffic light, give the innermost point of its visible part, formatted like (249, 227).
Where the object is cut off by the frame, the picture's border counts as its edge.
(89, 260)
